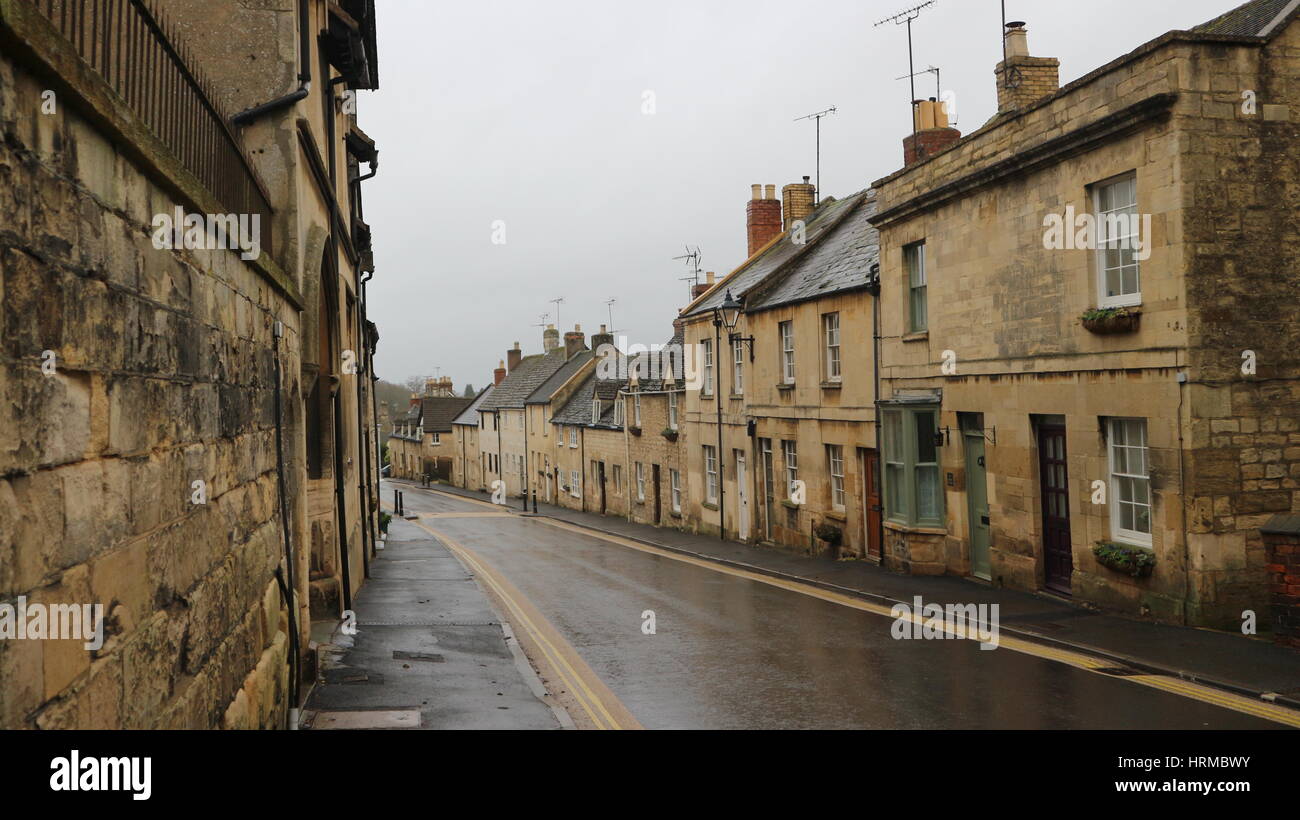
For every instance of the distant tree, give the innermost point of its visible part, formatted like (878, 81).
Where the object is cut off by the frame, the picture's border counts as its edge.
(414, 384)
(469, 392)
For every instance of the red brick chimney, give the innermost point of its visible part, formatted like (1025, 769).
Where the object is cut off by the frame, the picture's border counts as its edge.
(933, 134)
(762, 217)
(574, 342)
(499, 374)
(699, 290)
(513, 355)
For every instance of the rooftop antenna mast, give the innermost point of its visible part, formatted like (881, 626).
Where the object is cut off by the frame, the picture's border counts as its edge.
(609, 304)
(557, 301)
(817, 193)
(693, 255)
(899, 19)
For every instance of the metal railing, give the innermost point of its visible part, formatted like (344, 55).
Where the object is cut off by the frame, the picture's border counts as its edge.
(133, 46)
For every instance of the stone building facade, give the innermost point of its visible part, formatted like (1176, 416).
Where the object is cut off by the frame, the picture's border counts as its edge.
(1067, 392)
(163, 388)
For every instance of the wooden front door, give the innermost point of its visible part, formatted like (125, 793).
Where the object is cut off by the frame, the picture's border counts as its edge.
(600, 475)
(1057, 557)
(871, 507)
(654, 472)
(977, 503)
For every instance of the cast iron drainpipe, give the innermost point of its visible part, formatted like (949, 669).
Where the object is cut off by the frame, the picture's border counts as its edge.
(304, 76)
(287, 588)
(874, 290)
(363, 468)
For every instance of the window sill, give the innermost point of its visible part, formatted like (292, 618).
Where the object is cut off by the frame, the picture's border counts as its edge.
(737, 396)
(832, 385)
(915, 528)
(706, 397)
(790, 505)
(706, 505)
(919, 336)
(837, 515)
(785, 386)
(676, 515)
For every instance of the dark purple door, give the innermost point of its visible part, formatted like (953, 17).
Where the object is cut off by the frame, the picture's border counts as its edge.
(1057, 556)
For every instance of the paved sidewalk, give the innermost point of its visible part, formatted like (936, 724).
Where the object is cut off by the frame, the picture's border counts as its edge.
(1246, 665)
(429, 652)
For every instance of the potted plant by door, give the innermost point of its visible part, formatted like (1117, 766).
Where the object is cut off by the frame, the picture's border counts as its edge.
(832, 536)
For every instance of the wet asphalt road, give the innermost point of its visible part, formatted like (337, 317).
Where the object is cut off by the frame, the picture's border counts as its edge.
(731, 653)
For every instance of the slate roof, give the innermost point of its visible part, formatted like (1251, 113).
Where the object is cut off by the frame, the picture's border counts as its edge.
(840, 260)
(770, 260)
(578, 409)
(671, 358)
(1252, 19)
(527, 376)
(543, 394)
(469, 416)
(439, 411)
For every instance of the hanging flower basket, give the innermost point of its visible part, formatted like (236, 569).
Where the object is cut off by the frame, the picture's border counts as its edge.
(636, 431)
(669, 434)
(1133, 561)
(1105, 321)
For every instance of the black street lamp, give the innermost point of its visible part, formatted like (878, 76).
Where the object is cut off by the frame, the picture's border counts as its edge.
(730, 315)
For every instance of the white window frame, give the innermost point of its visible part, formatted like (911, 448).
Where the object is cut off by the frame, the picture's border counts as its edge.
(1142, 450)
(1124, 299)
(831, 336)
(675, 482)
(636, 409)
(672, 410)
(616, 472)
(619, 415)
(573, 438)
(595, 411)
(835, 465)
(436, 439)
(707, 346)
(790, 464)
(918, 281)
(640, 481)
(575, 484)
(738, 368)
(710, 474)
(786, 332)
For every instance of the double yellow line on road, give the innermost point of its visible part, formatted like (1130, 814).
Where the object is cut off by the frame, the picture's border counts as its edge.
(1189, 689)
(1184, 688)
(600, 704)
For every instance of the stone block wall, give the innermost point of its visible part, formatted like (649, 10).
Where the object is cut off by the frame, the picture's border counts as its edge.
(163, 376)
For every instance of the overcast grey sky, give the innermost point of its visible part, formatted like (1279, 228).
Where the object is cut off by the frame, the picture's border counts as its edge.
(531, 113)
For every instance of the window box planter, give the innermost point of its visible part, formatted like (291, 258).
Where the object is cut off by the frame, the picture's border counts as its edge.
(669, 434)
(636, 431)
(1105, 321)
(1137, 562)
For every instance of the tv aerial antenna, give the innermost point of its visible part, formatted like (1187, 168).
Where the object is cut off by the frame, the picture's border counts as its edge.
(938, 82)
(692, 255)
(906, 18)
(817, 193)
(609, 304)
(557, 301)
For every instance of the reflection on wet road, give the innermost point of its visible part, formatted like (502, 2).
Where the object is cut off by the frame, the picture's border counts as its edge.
(734, 653)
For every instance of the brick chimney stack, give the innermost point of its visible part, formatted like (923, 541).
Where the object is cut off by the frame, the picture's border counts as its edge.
(933, 134)
(574, 342)
(699, 290)
(550, 339)
(499, 374)
(604, 337)
(1022, 79)
(797, 201)
(513, 355)
(762, 217)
